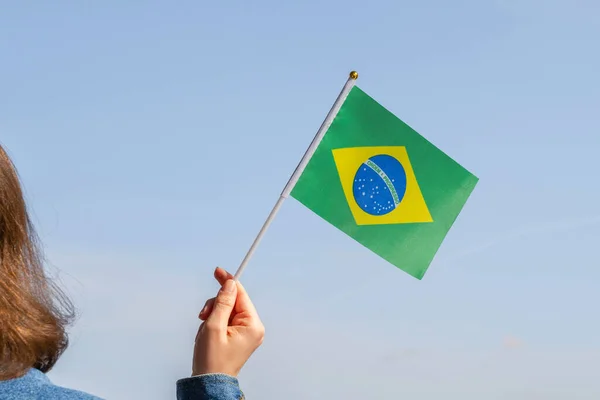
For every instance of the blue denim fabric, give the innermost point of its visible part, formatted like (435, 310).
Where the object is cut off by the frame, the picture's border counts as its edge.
(35, 385)
(209, 387)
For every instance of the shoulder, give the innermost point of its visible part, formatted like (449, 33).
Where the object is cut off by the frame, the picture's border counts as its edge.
(36, 386)
(52, 392)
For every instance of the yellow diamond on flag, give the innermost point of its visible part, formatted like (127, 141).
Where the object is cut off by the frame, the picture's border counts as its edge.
(380, 185)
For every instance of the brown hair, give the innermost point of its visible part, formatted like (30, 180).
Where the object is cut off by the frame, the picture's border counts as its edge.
(34, 313)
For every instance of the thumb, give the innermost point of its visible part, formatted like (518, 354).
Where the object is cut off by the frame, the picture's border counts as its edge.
(224, 303)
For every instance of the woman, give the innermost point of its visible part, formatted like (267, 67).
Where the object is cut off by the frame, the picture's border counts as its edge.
(34, 315)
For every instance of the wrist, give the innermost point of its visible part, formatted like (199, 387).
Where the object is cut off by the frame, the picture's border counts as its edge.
(214, 371)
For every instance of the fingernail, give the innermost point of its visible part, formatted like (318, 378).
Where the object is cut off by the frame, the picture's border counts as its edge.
(203, 310)
(229, 286)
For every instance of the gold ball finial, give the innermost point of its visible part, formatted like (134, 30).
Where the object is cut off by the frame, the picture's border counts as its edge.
(354, 75)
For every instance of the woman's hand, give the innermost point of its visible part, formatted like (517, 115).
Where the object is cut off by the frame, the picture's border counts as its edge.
(231, 330)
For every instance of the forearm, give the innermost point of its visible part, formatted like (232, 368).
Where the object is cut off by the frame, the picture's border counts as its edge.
(209, 387)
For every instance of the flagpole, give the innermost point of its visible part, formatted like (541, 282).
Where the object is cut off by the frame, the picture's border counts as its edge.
(299, 169)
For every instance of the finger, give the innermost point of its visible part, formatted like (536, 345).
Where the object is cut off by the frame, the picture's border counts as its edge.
(221, 275)
(244, 303)
(223, 305)
(207, 309)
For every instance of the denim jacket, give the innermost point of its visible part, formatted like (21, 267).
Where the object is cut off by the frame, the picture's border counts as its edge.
(35, 385)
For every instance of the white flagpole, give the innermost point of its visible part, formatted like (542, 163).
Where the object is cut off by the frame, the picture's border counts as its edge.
(300, 168)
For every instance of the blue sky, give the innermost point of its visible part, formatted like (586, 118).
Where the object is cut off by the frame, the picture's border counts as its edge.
(146, 135)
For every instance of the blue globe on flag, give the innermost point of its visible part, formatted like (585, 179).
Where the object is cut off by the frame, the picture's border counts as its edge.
(379, 185)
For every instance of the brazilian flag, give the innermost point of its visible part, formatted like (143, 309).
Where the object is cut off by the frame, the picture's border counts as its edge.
(383, 184)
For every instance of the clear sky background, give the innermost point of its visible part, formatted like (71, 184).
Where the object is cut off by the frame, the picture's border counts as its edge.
(154, 137)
